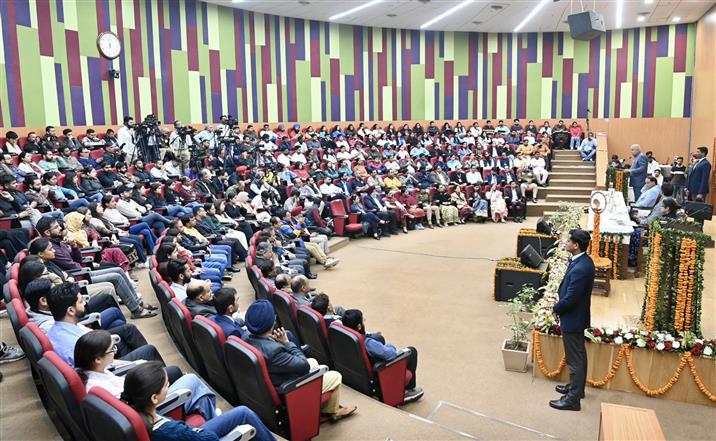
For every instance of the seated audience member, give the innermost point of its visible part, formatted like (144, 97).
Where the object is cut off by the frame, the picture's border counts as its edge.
(498, 207)
(48, 163)
(147, 385)
(285, 361)
(529, 182)
(430, 207)
(94, 355)
(180, 275)
(226, 302)
(301, 291)
(130, 209)
(669, 208)
(282, 282)
(55, 193)
(321, 303)
(199, 299)
(667, 191)
(11, 146)
(539, 168)
(38, 311)
(68, 307)
(516, 202)
(649, 194)
(588, 148)
(378, 350)
(67, 257)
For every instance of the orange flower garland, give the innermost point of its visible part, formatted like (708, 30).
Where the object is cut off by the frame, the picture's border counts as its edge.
(653, 286)
(615, 256)
(620, 180)
(596, 239)
(625, 351)
(540, 361)
(691, 281)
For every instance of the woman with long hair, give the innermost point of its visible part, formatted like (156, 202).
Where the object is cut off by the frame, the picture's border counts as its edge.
(95, 352)
(112, 214)
(105, 228)
(147, 385)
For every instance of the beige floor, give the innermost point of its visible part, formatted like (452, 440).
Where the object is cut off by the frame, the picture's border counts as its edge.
(435, 293)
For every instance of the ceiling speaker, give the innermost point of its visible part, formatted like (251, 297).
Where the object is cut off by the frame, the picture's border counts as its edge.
(586, 25)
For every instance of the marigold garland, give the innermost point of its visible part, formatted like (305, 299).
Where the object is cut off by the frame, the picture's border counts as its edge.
(653, 278)
(596, 238)
(625, 351)
(691, 279)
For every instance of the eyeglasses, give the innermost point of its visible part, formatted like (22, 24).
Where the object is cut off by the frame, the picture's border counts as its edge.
(112, 351)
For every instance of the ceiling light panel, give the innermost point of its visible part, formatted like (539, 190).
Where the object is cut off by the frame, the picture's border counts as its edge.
(450, 11)
(354, 10)
(531, 15)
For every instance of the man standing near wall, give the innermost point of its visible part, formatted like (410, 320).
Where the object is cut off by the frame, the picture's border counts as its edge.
(697, 182)
(637, 172)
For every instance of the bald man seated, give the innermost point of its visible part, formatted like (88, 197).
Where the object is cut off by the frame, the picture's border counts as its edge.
(199, 298)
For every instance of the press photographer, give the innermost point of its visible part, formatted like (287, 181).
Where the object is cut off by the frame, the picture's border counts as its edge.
(180, 141)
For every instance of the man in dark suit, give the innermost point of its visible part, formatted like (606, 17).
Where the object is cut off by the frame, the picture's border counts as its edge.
(285, 361)
(516, 202)
(374, 203)
(638, 170)
(697, 182)
(575, 294)
(226, 301)
(494, 177)
(199, 299)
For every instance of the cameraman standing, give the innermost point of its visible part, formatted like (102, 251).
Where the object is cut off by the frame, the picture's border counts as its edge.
(180, 141)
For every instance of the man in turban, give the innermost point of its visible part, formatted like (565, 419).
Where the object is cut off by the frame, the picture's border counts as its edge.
(285, 361)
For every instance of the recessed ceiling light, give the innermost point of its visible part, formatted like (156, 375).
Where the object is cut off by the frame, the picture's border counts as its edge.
(532, 13)
(676, 19)
(356, 9)
(446, 13)
(391, 15)
(648, 2)
(304, 2)
(641, 18)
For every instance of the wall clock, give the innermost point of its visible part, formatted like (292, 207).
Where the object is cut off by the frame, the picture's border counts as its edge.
(109, 45)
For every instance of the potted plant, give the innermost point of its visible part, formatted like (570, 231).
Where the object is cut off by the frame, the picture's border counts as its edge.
(527, 298)
(516, 350)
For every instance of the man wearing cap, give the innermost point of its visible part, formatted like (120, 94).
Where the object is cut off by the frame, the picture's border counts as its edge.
(573, 309)
(285, 361)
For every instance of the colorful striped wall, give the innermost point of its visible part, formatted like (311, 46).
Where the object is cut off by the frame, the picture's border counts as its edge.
(194, 61)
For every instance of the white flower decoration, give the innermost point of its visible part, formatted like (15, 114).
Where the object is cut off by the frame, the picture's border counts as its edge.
(708, 351)
(676, 345)
(660, 346)
(609, 331)
(628, 335)
(641, 343)
(618, 341)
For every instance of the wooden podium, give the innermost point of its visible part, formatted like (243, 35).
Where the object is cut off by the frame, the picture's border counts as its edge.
(626, 423)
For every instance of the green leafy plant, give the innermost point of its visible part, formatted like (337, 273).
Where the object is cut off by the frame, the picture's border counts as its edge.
(527, 297)
(519, 326)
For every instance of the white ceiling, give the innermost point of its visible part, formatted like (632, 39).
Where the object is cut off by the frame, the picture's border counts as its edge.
(410, 14)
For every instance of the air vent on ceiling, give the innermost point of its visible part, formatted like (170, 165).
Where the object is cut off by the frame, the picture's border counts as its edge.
(304, 2)
(391, 15)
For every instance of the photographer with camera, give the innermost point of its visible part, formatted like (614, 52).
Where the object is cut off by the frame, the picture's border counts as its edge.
(180, 141)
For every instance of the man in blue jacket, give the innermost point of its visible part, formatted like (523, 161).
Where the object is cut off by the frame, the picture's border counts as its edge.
(697, 182)
(573, 309)
(638, 170)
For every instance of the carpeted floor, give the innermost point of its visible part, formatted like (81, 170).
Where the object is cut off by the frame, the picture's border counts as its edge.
(432, 290)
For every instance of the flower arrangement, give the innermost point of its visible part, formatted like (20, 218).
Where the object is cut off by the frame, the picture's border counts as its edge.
(619, 180)
(674, 278)
(658, 341)
(514, 263)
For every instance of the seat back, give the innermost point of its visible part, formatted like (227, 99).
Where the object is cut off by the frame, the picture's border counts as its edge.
(265, 290)
(34, 342)
(255, 275)
(350, 357)
(180, 327)
(65, 391)
(18, 316)
(109, 419)
(209, 340)
(247, 369)
(285, 307)
(13, 289)
(314, 333)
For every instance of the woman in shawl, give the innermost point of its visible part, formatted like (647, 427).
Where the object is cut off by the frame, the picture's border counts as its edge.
(74, 223)
(497, 204)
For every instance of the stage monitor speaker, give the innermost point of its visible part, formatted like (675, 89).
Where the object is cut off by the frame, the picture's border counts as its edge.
(586, 25)
(699, 210)
(530, 257)
(543, 227)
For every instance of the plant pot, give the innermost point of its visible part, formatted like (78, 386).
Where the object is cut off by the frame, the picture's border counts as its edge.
(516, 359)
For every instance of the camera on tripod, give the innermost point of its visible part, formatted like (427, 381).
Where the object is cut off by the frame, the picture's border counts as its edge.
(150, 126)
(185, 130)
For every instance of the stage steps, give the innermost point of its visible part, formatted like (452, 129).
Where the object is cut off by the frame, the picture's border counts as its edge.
(571, 180)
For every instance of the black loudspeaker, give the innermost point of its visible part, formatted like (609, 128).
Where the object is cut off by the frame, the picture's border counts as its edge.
(530, 257)
(699, 210)
(508, 282)
(560, 140)
(543, 227)
(586, 25)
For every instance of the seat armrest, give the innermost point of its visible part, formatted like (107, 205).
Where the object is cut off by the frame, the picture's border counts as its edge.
(340, 216)
(401, 355)
(243, 432)
(82, 283)
(292, 385)
(90, 250)
(91, 319)
(9, 217)
(122, 369)
(79, 272)
(173, 401)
